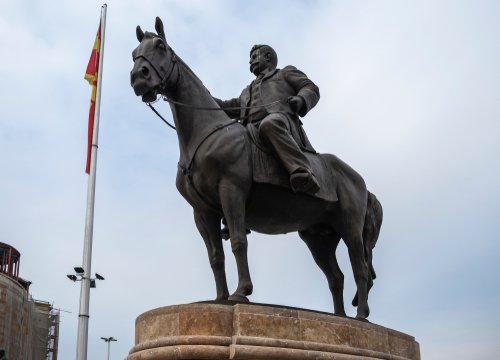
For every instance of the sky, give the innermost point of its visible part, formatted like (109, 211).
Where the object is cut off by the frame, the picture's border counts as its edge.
(410, 98)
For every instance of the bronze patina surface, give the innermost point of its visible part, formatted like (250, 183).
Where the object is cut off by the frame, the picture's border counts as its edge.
(215, 172)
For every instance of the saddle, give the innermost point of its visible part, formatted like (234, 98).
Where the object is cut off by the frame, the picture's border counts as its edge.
(267, 169)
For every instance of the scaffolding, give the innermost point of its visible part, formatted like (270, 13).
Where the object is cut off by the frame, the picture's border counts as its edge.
(37, 321)
(53, 341)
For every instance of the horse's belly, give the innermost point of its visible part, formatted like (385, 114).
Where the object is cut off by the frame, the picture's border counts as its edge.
(277, 210)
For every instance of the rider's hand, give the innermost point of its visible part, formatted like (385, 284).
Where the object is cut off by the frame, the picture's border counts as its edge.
(296, 103)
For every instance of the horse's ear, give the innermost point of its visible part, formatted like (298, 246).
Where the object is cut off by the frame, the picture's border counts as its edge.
(139, 33)
(159, 28)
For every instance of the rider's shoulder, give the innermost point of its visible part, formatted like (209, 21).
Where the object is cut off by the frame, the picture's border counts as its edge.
(291, 71)
(289, 68)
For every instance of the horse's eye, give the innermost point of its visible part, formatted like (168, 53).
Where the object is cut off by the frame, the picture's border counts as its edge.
(160, 45)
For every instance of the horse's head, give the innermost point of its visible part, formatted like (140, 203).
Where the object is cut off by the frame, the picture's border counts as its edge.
(154, 62)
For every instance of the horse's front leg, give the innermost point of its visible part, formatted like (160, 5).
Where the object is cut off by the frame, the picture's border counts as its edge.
(233, 204)
(208, 224)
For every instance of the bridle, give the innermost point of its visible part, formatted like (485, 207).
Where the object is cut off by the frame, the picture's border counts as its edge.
(173, 63)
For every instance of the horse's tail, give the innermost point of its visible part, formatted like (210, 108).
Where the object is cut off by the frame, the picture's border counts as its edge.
(371, 231)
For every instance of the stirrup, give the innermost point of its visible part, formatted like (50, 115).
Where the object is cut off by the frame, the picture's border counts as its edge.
(304, 181)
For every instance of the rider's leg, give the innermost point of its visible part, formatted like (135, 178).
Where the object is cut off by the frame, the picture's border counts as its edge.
(275, 130)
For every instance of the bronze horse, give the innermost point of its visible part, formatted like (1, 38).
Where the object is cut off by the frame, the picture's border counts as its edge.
(215, 177)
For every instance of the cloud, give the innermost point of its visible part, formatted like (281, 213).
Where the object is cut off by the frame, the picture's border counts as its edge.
(409, 98)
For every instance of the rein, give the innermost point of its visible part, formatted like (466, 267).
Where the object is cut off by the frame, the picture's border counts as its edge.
(159, 115)
(150, 105)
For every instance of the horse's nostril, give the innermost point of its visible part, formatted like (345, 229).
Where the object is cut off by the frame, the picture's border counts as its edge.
(144, 71)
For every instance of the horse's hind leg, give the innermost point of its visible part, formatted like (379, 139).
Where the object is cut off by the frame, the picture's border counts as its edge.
(369, 286)
(323, 249)
(354, 242)
(371, 231)
(208, 225)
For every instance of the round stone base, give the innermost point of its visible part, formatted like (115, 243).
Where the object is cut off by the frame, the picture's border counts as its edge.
(254, 332)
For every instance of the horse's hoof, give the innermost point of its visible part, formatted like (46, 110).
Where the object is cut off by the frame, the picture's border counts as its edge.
(362, 319)
(238, 298)
(340, 313)
(363, 312)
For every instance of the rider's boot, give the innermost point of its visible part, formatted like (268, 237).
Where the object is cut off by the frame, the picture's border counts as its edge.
(303, 180)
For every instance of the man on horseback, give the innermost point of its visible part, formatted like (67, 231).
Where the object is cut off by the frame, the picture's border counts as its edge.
(216, 173)
(273, 103)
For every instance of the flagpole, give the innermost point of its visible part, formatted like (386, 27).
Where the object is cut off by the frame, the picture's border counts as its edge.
(83, 317)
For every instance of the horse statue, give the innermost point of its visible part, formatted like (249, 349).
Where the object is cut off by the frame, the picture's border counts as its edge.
(215, 177)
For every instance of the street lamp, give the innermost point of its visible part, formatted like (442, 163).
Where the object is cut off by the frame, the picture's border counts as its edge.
(108, 340)
(83, 316)
(99, 277)
(80, 276)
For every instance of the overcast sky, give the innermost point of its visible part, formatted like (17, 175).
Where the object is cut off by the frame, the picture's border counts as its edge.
(410, 97)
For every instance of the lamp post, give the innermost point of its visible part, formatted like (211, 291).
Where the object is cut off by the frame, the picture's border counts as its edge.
(82, 335)
(108, 340)
(80, 276)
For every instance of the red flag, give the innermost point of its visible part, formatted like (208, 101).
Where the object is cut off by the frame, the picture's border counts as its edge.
(91, 76)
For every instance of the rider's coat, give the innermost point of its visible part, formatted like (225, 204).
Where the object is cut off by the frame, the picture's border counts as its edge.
(278, 84)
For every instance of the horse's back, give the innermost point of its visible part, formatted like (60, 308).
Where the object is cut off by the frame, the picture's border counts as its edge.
(342, 172)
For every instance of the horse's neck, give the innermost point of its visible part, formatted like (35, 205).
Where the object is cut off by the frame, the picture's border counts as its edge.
(193, 125)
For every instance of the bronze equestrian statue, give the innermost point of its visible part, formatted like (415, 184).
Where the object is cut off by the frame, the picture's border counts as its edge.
(229, 170)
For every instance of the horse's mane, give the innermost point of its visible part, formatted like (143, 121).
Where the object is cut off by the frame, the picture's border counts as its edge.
(149, 35)
(188, 69)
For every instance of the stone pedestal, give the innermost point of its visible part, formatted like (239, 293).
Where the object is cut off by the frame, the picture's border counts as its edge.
(252, 332)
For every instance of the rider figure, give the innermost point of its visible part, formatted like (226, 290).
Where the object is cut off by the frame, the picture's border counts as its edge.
(278, 123)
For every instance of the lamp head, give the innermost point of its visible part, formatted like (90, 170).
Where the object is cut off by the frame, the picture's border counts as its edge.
(99, 277)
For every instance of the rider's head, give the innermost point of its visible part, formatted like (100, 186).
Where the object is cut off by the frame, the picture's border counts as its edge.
(262, 57)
